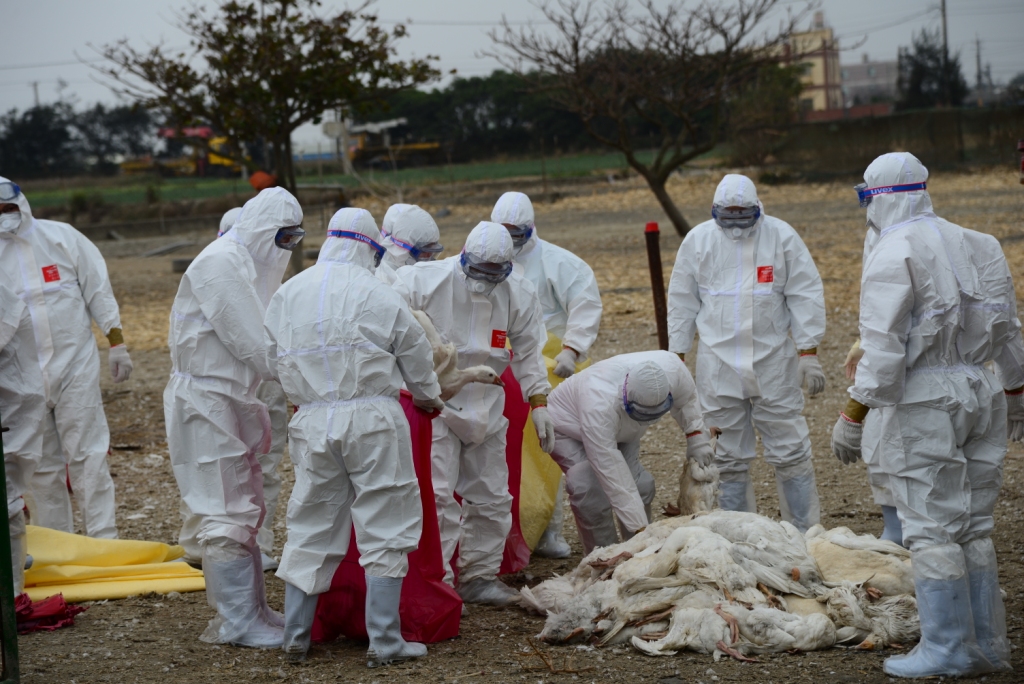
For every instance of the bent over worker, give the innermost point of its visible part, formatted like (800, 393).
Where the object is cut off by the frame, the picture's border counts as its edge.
(600, 416)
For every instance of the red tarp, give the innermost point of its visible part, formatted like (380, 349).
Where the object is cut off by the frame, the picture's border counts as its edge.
(46, 615)
(430, 609)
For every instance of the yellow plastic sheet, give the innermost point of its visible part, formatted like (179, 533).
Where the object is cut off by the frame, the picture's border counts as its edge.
(539, 481)
(87, 569)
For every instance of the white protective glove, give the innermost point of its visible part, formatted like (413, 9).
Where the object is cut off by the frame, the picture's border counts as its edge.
(120, 363)
(698, 448)
(565, 363)
(545, 428)
(846, 437)
(811, 373)
(429, 405)
(1015, 417)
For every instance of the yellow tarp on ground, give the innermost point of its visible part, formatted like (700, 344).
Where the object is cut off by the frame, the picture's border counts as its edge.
(87, 569)
(539, 481)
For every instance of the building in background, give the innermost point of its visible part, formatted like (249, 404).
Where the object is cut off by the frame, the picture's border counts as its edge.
(869, 82)
(818, 50)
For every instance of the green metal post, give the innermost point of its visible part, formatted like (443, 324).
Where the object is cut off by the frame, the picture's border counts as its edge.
(8, 619)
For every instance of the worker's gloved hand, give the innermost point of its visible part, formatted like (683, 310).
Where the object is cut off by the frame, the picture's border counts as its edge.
(565, 363)
(545, 428)
(429, 405)
(846, 437)
(120, 363)
(1015, 415)
(698, 448)
(811, 373)
(853, 357)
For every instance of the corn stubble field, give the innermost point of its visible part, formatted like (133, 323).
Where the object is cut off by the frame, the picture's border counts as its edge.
(151, 638)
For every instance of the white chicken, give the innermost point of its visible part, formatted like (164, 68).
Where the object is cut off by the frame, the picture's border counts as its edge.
(864, 617)
(446, 363)
(698, 488)
(842, 554)
(773, 631)
(695, 629)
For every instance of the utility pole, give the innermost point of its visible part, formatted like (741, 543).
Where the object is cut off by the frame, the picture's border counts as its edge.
(35, 91)
(977, 52)
(945, 55)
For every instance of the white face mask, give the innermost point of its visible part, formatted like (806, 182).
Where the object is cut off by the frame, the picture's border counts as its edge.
(10, 222)
(738, 233)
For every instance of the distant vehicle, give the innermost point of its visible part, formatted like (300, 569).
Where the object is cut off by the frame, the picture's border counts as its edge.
(375, 144)
(200, 161)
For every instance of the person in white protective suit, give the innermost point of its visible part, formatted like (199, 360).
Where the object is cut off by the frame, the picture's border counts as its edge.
(271, 394)
(937, 303)
(571, 305)
(22, 407)
(62, 278)
(342, 343)
(747, 283)
(216, 423)
(600, 416)
(409, 235)
(477, 302)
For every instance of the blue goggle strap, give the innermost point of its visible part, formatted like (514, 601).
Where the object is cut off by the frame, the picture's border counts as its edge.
(358, 237)
(865, 194)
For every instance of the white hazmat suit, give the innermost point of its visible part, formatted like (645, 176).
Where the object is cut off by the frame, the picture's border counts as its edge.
(937, 303)
(22, 407)
(597, 441)
(756, 298)
(571, 305)
(342, 343)
(271, 394)
(62, 278)
(468, 450)
(405, 232)
(216, 424)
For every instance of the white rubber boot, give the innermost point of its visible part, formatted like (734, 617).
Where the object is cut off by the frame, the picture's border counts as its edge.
(299, 611)
(987, 603)
(16, 526)
(893, 530)
(798, 495)
(552, 543)
(948, 646)
(489, 590)
(736, 492)
(232, 590)
(384, 626)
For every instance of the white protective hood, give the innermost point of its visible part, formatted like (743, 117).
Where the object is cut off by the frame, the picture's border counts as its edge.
(647, 384)
(410, 224)
(517, 209)
(489, 242)
(890, 209)
(736, 190)
(228, 220)
(256, 228)
(26, 210)
(346, 250)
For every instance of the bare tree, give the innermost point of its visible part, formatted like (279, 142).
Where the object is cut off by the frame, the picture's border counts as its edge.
(659, 78)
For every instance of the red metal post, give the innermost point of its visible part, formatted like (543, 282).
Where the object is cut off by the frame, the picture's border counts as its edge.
(652, 235)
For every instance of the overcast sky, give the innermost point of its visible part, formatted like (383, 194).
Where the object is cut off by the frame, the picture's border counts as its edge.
(45, 38)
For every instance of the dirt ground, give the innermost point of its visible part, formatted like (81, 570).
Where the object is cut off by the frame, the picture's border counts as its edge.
(154, 638)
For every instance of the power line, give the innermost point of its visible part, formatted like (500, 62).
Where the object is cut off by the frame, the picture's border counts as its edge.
(40, 65)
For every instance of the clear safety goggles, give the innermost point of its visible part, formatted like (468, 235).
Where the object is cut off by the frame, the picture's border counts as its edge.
(289, 237)
(420, 252)
(9, 191)
(866, 194)
(486, 271)
(640, 412)
(359, 237)
(519, 234)
(735, 217)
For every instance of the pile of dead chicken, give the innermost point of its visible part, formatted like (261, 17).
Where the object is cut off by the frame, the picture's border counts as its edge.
(737, 584)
